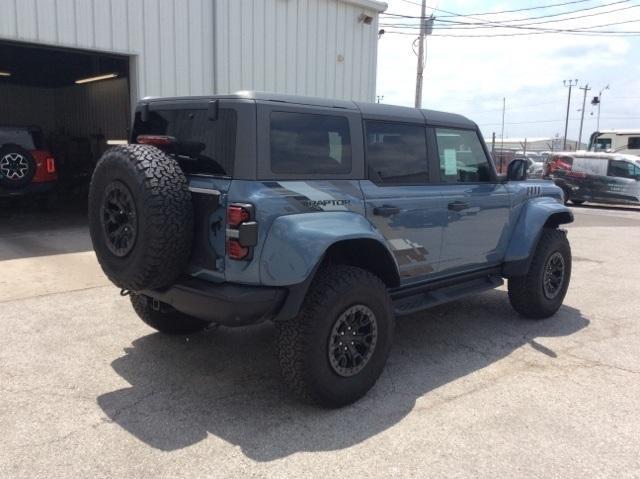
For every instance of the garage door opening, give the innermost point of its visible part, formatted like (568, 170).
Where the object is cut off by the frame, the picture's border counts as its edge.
(61, 103)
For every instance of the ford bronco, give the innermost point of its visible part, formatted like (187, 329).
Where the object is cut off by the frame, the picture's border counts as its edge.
(329, 218)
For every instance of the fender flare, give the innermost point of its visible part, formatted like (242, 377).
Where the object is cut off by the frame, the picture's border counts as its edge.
(296, 244)
(535, 215)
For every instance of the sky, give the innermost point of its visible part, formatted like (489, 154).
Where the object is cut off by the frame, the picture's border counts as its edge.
(471, 76)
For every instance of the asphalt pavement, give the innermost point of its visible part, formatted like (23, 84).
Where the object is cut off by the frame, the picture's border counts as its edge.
(470, 389)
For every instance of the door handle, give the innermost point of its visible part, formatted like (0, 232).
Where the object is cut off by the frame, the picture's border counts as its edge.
(458, 206)
(386, 210)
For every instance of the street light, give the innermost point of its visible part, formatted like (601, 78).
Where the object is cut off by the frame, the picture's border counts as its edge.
(597, 100)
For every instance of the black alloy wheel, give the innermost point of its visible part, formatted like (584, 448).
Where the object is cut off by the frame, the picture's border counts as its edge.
(119, 219)
(353, 340)
(553, 277)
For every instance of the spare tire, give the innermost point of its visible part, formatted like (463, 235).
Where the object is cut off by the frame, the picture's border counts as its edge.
(140, 217)
(17, 167)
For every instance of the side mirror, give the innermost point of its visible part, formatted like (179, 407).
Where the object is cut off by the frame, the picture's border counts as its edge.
(517, 170)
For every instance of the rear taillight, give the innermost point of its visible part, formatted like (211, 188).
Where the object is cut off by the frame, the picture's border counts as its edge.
(50, 164)
(242, 231)
(236, 215)
(235, 250)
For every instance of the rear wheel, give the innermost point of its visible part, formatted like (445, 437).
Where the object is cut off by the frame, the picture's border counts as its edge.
(17, 167)
(577, 202)
(539, 294)
(336, 348)
(164, 318)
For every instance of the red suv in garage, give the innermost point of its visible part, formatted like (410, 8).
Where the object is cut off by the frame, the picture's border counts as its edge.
(25, 166)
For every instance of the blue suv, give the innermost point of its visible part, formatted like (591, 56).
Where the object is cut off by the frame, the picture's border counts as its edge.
(329, 218)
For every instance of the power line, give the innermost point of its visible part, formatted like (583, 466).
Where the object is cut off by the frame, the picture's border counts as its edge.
(473, 26)
(611, 34)
(513, 19)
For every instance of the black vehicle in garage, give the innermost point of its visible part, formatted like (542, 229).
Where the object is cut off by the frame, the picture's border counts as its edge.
(596, 177)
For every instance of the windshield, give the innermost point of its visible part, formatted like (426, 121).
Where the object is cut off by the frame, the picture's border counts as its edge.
(602, 144)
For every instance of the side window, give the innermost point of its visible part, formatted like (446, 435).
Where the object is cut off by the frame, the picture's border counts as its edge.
(633, 143)
(462, 158)
(623, 169)
(396, 153)
(309, 143)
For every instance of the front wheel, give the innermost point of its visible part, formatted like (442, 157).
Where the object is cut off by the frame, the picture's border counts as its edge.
(539, 293)
(577, 202)
(336, 348)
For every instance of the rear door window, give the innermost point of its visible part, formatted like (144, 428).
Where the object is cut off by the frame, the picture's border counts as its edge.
(462, 158)
(201, 146)
(396, 153)
(309, 143)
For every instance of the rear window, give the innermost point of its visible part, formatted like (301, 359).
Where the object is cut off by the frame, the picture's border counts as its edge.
(306, 143)
(201, 146)
(27, 138)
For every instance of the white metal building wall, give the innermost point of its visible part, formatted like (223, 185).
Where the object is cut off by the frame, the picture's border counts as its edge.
(195, 47)
(308, 47)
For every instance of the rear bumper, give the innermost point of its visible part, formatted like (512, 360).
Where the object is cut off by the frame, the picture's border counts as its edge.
(30, 189)
(223, 303)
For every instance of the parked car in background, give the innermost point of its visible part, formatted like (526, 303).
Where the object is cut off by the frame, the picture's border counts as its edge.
(26, 167)
(616, 141)
(597, 177)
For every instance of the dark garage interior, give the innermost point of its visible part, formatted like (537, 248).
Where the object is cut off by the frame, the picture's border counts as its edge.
(79, 100)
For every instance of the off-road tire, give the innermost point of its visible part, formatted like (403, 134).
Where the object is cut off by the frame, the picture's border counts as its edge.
(526, 293)
(164, 216)
(18, 183)
(303, 343)
(165, 319)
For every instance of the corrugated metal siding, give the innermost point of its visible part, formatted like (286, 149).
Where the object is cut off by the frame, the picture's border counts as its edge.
(172, 39)
(306, 47)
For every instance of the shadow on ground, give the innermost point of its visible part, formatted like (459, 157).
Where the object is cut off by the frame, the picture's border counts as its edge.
(226, 382)
(30, 229)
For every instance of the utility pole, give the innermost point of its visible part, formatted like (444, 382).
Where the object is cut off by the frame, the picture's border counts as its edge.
(504, 105)
(584, 103)
(426, 28)
(570, 84)
(379, 98)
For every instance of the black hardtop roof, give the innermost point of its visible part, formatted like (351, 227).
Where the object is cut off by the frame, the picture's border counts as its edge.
(378, 111)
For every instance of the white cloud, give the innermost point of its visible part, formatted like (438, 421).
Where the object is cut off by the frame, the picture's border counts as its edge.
(472, 75)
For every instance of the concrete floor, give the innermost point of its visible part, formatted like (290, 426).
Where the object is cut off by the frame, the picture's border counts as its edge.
(87, 390)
